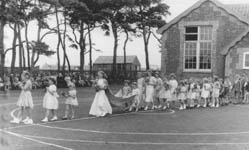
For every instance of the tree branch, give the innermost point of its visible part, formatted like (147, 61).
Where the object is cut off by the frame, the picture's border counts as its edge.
(158, 39)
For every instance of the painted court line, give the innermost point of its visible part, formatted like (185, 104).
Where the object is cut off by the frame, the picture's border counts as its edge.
(61, 121)
(130, 143)
(37, 141)
(142, 133)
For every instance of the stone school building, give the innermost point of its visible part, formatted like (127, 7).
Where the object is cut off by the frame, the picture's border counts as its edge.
(210, 38)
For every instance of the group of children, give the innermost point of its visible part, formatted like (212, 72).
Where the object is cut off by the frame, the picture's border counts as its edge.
(154, 92)
(150, 91)
(50, 100)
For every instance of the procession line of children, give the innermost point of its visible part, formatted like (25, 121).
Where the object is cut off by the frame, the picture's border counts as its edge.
(153, 92)
(50, 100)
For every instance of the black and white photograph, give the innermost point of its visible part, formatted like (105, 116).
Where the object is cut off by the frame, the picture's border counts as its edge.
(124, 74)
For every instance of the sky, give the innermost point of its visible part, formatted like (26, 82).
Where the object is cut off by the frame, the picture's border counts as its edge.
(105, 43)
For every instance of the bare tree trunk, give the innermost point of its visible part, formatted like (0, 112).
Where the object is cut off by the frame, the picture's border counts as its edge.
(63, 42)
(13, 60)
(27, 44)
(124, 48)
(33, 59)
(58, 44)
(90, 49)
(115, 48)
(2, 61)
(22, 59)
(82, 47)
(146, 37)
(64, 45)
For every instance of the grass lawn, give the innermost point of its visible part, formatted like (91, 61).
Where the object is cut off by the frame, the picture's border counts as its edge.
(197, 129)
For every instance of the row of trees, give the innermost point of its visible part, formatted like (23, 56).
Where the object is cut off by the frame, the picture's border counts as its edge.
(76, 20)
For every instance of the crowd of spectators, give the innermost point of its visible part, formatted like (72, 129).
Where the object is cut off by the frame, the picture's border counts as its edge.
(40, 79)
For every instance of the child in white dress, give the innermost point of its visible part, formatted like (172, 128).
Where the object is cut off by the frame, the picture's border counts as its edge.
(182, 95)
(71, 99)
(197, 91)
(191, 93)
(150, 90)
(125, 91)
(25, 101)
(50, 101)
(141, 87)
(165, 95)
(158, 88)
(205, 92)
(216, 93)
(173, 84)
(136, 92)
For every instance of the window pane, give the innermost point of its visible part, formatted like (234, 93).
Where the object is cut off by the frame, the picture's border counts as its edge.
(191, 30)
(247, 57)
(190, 55)
(246, 60)
(191, 37)
(206, 33)
(246, 63)
(205, 55)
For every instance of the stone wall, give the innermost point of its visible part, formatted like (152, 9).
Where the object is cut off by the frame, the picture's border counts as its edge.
(235, 57)
(227, 28)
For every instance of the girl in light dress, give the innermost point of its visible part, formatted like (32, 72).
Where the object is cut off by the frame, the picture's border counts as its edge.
(191, 95)
(197, 91)
(205, 92)
(150, 90)
(141, 87)
(136, 92)
(182, 96)
(165, 94)
(71, 99)
(50, 101)
(173, 84)
(125, 91)
(210, 100)
(216, 93)
(101, 105)
(158, 88)
(25, 101)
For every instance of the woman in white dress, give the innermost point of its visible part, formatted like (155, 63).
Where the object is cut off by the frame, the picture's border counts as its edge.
(50, 101)
(101, 105)
(150, 90)
(25, 101)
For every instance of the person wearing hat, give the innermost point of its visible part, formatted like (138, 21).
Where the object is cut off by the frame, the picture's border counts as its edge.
(150, 90)
(50, 101)
(71, 100)
(25, 100)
